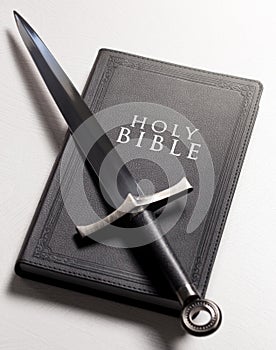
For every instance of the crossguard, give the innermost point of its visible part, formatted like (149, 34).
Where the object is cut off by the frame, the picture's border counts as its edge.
(133, 204)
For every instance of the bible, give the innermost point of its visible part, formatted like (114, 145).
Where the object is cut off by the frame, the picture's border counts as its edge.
(164, 119)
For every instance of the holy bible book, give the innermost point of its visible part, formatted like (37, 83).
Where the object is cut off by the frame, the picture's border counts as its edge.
(166, 121)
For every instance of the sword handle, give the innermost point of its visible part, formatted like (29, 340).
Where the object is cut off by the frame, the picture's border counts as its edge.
(188, 297)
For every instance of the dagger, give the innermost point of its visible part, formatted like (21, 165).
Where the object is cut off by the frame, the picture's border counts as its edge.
(76, 112)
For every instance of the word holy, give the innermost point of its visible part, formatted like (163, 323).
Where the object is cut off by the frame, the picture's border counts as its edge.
(158, 127)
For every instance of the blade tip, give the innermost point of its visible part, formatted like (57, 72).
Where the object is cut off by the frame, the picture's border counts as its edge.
(16, 16)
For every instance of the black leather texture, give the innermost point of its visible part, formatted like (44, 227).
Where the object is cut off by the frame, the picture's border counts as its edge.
(223, 108)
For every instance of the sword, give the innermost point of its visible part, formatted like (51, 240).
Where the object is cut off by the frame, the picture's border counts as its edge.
(75, 112)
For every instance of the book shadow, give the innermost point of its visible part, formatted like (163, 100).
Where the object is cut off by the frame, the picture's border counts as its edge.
(165, 328)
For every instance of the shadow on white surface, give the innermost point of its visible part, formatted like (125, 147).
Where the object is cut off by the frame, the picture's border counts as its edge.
(166, 327)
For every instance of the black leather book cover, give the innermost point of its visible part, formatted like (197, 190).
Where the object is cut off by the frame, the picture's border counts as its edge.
(195, 120)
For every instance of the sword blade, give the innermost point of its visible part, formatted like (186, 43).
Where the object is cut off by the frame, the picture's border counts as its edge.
(75, 112)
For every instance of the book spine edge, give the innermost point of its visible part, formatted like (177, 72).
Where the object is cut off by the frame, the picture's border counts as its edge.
(18, 268)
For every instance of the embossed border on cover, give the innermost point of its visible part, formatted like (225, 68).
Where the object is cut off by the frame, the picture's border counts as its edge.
(219, 207)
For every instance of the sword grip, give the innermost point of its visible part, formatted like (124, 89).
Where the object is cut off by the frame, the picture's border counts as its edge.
(164, 257)
(187, 295)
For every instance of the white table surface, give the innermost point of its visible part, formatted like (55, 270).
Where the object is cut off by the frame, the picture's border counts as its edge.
(234, 37)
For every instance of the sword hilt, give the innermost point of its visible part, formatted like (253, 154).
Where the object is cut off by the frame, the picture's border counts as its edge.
(163, 256)
(133, 204)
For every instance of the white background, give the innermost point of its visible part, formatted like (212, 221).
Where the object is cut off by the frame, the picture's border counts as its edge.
(234, 37)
